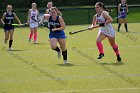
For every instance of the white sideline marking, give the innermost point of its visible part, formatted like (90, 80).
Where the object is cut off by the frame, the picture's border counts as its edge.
(94, 90)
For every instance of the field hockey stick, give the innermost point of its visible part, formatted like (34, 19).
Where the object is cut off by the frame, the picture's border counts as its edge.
(71, 33)
(38, 22)
(25, 24)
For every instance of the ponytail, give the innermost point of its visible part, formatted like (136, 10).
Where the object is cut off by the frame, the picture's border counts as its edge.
(108, 10)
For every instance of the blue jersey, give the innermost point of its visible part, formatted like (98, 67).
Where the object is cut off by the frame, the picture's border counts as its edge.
(55, 24)
(9, 18)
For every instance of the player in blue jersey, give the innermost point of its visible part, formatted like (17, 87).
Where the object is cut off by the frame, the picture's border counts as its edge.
(56, 25)
(7, 20)
(123, 10)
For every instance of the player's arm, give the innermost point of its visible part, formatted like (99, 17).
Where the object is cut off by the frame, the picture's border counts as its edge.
(15, 16)
(108, 18)
(126, 8)
(28, 18)
(2, 19)
(93, 23)
(45, 17)
(62, 23)
(38, 15)
(119, 7)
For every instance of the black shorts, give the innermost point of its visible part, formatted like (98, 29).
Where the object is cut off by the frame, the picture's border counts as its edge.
(8, 28)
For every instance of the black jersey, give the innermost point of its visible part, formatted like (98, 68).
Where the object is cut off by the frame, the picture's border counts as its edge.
(123, 8)
(9, 18)
(54, 23)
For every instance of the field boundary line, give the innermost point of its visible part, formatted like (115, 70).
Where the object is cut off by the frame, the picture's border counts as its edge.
(93, 90)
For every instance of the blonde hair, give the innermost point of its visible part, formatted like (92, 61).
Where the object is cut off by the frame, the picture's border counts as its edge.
(49, 3)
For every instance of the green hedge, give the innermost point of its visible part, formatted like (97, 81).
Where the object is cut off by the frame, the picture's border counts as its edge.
(75, 16)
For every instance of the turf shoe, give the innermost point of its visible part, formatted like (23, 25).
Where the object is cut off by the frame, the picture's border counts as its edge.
(118, 58)
(100, 56)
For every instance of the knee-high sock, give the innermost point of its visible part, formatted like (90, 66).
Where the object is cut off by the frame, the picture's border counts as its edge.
(64, 53)
(100, 47)
(30, 35)
(119, 25)
(10, 43)
(35, 36)
(125, 25)
(57, 49)
(115, 48)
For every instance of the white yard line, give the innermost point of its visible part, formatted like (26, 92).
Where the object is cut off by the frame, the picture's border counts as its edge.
(93, 90)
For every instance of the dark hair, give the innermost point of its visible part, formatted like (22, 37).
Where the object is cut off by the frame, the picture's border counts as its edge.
(103, 6)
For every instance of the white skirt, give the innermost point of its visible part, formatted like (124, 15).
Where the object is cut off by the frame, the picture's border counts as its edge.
(33, 25)
(108, 30)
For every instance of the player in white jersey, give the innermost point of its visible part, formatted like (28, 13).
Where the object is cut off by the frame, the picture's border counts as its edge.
(49, 6)
(33, 14)
(107, 31)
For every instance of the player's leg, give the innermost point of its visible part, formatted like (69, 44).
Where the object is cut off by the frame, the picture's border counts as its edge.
(31, 34)
(62, 42)
(120, 22)
(99, 39)
(53, 43)
(125, 24)
(6, 32)
(11, 38)
(35, 35)
(115, 47)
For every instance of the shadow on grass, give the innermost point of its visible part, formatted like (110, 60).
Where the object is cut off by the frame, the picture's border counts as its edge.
(114, 64)
(40, 44)
(67, 65)
(16, 50)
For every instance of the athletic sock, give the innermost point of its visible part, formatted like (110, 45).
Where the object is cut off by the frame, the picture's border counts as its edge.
(35, 37)
(100, 47)
(125, 25)
(64, 53)
(10, 43)
(119, 27)
(115, 48)
(30, 35)
(57, 49)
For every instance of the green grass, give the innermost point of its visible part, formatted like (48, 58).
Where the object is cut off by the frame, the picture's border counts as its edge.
(34, 68)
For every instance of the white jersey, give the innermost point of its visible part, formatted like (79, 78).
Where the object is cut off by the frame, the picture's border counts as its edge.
(107, 29)
(33, 15)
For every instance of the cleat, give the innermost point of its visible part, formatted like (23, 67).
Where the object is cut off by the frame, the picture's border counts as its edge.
(35, 42)
(65, 61)
(10, 49)
(29, 40)
(100, 56)
(118, 58)
(59, 55)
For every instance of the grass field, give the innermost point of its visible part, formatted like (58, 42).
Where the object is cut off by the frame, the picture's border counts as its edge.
(34, 68)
